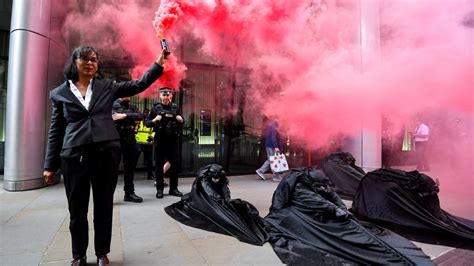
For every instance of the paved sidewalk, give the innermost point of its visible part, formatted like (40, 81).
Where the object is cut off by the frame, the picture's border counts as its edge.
(34, 229)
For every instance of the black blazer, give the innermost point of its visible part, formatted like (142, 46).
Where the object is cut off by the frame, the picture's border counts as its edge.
(72, 125)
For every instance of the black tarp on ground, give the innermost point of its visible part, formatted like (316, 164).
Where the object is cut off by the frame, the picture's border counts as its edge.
(408, 203)
(344, 175)
(209, 207)
(308, 224)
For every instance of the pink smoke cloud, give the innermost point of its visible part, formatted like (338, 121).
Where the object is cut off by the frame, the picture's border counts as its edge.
(310, 51)
(305, 59)
(309, 47)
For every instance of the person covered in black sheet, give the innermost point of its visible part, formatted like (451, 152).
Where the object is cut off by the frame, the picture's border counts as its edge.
(344, 175)
(408, 203)
(308, 224)
(209, 207)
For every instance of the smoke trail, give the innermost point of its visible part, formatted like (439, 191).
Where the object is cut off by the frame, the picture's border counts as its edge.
(122, 29)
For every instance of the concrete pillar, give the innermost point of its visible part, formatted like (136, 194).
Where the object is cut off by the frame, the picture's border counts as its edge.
(366, 146)
(26, 90)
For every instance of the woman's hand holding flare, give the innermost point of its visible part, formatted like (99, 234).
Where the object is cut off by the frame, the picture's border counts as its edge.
(162, 59)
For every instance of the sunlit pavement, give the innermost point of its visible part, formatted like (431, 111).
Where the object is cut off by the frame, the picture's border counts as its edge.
(34, 229)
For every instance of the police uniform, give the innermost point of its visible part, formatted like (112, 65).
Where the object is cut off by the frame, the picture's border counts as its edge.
(166, 143)
(126, 129)
(144, 138)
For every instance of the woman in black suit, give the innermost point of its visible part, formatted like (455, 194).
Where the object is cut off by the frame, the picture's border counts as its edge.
(84, 143)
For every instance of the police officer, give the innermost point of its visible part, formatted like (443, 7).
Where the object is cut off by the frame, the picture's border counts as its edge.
(126, 116)
(166, 119)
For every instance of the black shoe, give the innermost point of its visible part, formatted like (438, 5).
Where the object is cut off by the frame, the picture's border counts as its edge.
(132, 198)
(79, 262)
(150, 177)
(103, 261)
(175, 192)
(159, 194)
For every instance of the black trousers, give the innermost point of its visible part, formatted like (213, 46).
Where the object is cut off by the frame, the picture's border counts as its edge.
(99, 169)
(147, 150)
(421, 152)
(129, 154)
(166, 149)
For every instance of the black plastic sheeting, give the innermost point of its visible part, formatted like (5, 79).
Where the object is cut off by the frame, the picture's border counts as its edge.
(209, 207)
(309, 224)
(343, 174)
(408, 203)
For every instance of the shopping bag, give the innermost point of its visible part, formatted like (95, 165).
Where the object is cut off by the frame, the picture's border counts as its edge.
(278, 163)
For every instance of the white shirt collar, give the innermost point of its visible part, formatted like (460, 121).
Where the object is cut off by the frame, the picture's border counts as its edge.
(84, 101)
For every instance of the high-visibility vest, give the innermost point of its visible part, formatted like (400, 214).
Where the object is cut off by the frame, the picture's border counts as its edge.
(144, 134)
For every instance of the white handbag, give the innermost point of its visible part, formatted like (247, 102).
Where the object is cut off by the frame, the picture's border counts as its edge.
(278, 163)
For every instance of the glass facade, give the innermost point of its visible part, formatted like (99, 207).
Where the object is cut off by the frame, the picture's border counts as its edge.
(210, 133)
